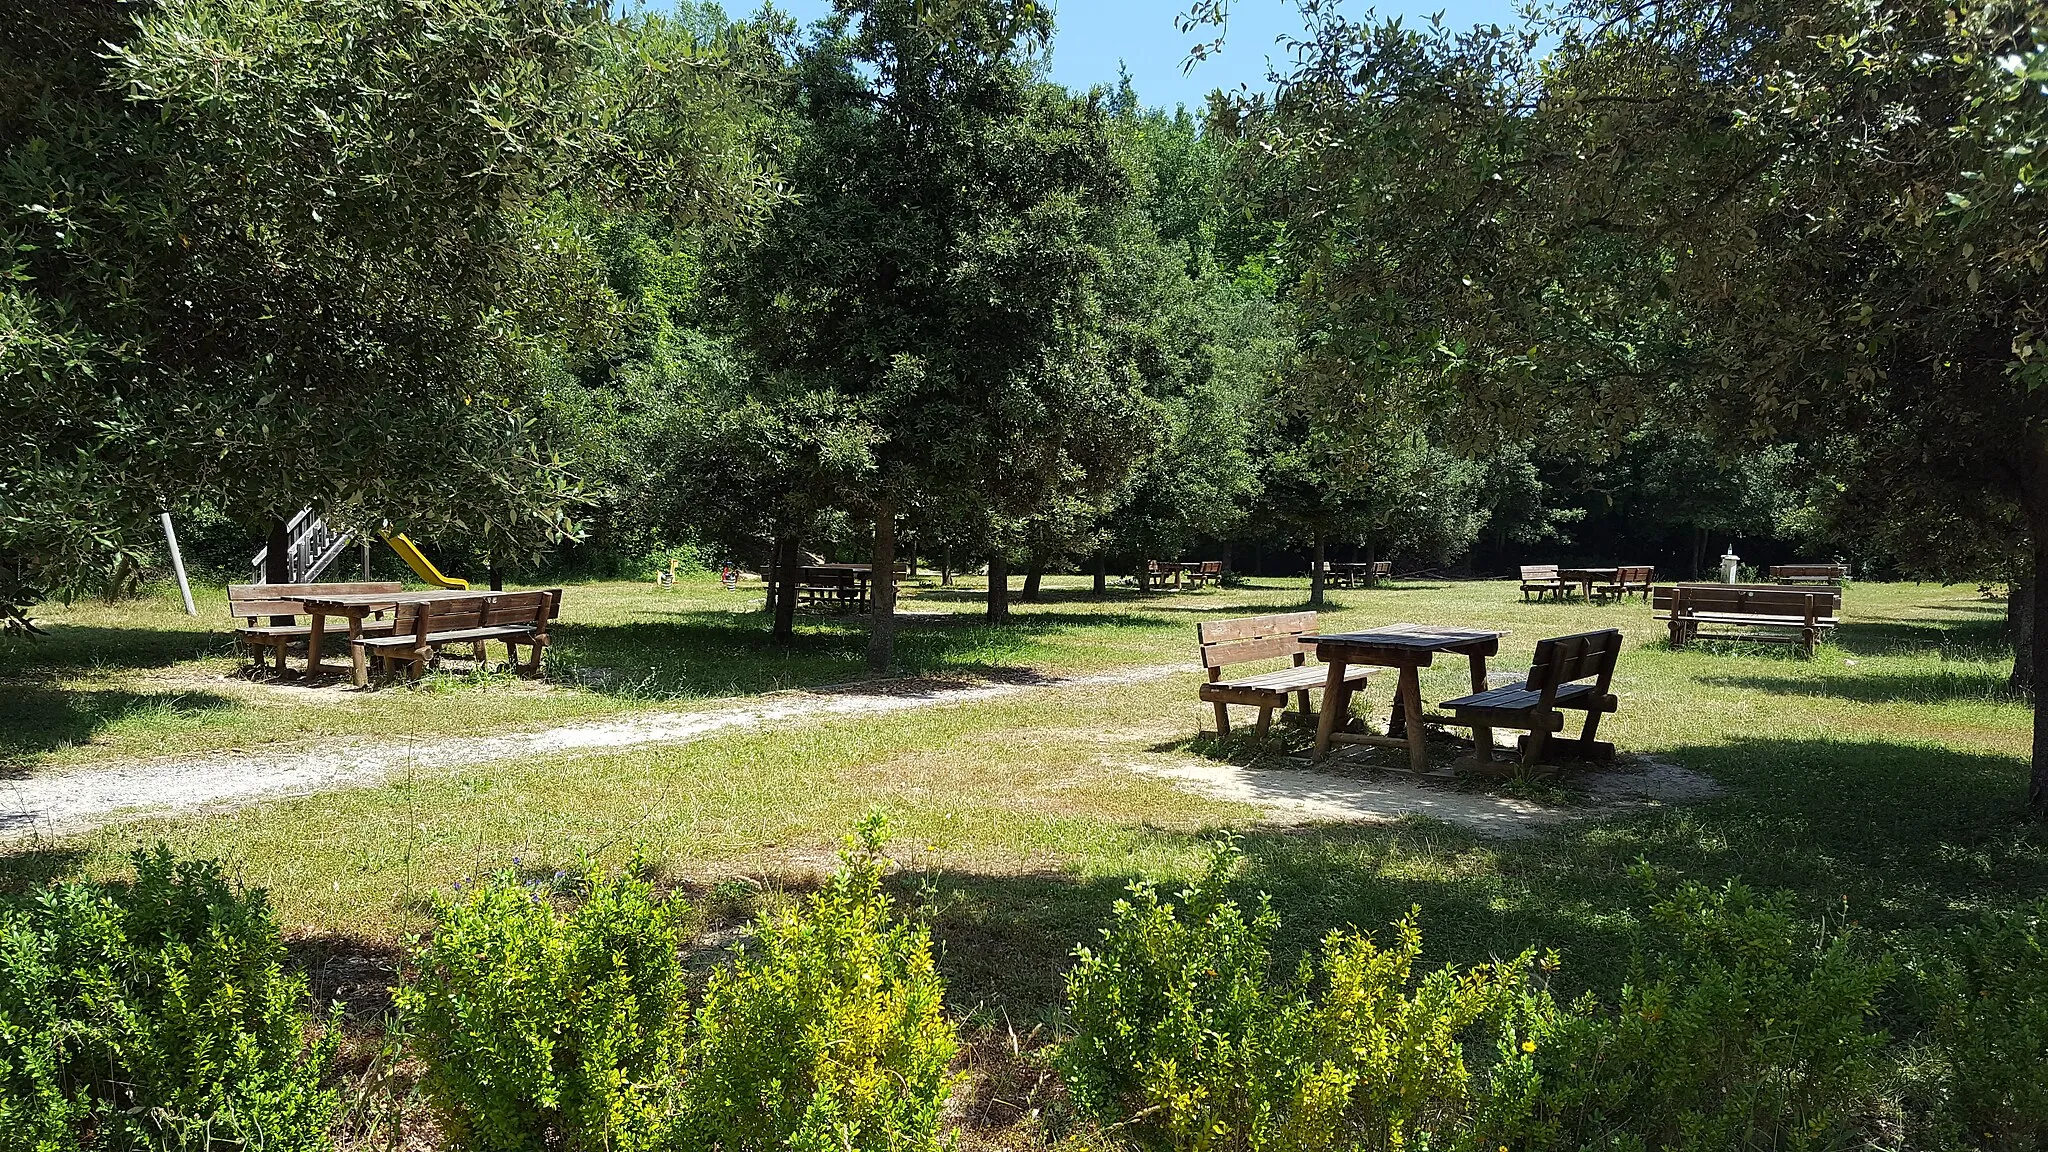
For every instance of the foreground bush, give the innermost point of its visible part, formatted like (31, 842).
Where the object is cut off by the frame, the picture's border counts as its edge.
(544, 1029)
(1988, 992)
(826, 1035)
(156, 1015)
(572, 1031)
(1737, 1029)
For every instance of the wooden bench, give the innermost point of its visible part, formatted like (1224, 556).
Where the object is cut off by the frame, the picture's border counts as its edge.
(1227, 642)
(830, 585)
(1542, 578)
(1568, 673)
(1809, 573)
(1627, 582)
(1210, 572)
(1749, 613)
(516, 618)
(254, 602)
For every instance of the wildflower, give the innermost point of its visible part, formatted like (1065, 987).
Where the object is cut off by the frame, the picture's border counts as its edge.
(1528, 1045)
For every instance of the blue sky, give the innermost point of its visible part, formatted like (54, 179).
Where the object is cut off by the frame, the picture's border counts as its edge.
(1095, 34)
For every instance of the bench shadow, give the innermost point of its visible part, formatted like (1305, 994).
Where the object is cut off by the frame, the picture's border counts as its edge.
(1983, 638)
(36, 719)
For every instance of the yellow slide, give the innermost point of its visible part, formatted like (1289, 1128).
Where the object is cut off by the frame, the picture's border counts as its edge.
(417, 560)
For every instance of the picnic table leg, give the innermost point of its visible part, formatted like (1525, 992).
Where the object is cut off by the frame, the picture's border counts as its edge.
(1411, 704)
(314, 637)
(1334, 698)
(1482, 736)
(1222, 718)
(358, 660)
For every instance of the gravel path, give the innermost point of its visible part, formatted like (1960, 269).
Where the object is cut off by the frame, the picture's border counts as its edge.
(85, 798)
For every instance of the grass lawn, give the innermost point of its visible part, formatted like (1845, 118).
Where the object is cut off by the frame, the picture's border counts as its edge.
(1888, 771)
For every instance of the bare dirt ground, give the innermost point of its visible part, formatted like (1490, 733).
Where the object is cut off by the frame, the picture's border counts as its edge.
(1343, 790)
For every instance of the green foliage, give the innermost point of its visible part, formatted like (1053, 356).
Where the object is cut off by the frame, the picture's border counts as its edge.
(334, 233)
(1185, 1037)
(1739, 1027)
(156, 1015)
(1988, 991)
(548, 1029)
(826, 1032)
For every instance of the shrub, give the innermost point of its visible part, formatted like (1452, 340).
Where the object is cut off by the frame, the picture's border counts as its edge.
(1989, 996)
(156, 1015)
(541, 1029)
(1739, 1027)
(826, 1032)
(1183, 1040)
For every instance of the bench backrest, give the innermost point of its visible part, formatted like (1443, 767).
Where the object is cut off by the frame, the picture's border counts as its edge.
(1152, 567)
(818, 577)
(1636, 576)
(1564, 660)
(1212, 567)
(253, 600)
(1809, 571)
(1534, 572)
(1383, 567)
(1800, 604)
(1227, 642)
(497, 610)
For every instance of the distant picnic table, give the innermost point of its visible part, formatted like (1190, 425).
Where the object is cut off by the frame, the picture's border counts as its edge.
(1355, 573)
(357, 607)
(1585, 578)
(1408, 648)
(1198, 572)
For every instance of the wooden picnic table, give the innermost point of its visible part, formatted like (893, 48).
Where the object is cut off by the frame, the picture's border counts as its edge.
(1587, 577)
(354, 607)
(1408, 648)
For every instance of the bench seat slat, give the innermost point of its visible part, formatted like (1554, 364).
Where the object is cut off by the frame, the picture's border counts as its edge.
(456, 636)
(1293, 679)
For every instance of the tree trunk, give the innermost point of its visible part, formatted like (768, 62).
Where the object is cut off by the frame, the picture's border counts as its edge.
(785, 590)
(497, 576)
(2037, 589)
(1034, 575)
(946, 566)
(998, 588)
(2019, 628)
(277, 563)
(882, 590)
(1316, 574)
(1101, 575)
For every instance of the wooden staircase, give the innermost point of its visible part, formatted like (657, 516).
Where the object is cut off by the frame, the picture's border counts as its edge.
(311, 548)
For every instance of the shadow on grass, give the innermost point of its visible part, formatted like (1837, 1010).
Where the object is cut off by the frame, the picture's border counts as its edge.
(1982, 638)
(721, 654)
(72, 648)
(1915, 839)
(1937, 687)
(29, 865)
(38, 718)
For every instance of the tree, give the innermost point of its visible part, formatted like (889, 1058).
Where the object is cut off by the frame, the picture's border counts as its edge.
(1805, 218)
(264, 255)
(937, 269)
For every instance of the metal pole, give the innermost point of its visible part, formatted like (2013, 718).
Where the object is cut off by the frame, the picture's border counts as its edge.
(178, 565)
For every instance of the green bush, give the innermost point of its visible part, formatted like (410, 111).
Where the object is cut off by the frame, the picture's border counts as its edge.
(826, 1033)
(549, 1030)
(156, 1015)
(1739, 1027)
(1988, 990)
(1183, 1039)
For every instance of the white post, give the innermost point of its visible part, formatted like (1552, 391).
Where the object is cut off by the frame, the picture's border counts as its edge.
(178, 565)
(1731, 567)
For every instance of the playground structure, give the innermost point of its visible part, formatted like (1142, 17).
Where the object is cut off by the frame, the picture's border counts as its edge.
(312, 546)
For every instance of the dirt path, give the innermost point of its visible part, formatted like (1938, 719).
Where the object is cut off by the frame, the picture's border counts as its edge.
(82, 799)
(85, 798)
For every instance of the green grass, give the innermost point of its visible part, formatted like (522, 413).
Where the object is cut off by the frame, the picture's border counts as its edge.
(1889, 770)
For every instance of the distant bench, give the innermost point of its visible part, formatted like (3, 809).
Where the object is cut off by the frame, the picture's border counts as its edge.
(1809, 573)
(1749, 613)
(1543, 578)
(255, 602)
(1227, 642)
(516, 618)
